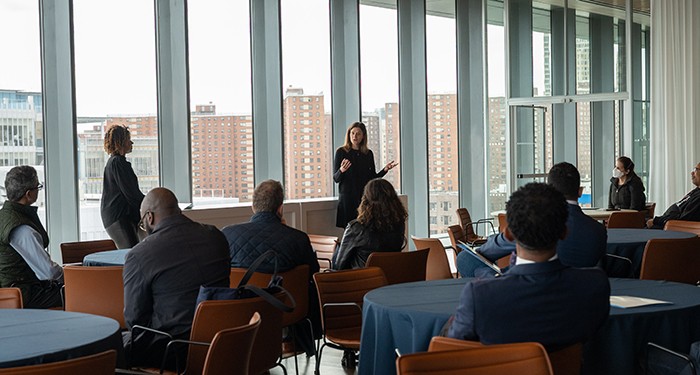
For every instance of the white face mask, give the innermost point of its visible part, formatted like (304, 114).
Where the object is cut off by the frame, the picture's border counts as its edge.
(617, 173)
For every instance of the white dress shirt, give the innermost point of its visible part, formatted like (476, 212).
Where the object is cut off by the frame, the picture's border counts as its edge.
(28, 243)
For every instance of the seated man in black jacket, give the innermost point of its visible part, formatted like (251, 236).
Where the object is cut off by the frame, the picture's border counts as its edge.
(688, 208)
(265, 231)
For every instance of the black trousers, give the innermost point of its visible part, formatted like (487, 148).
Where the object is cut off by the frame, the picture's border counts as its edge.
(124, 233)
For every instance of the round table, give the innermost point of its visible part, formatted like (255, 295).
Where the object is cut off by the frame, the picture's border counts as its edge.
(601, 213)
(30, 337)
(407, 316)
(106, 258)
(630, 243)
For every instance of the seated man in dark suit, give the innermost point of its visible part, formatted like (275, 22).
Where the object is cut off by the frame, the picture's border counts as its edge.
(688, 208)
(538, 299)
(585, 242)
(163, 273)
(265, 231)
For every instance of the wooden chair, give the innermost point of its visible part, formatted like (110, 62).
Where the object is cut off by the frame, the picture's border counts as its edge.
(649, 209)
(672, 260)
(502, 222)
(10, 298)
(565, 361)
(340, 295)
(325, 247)
(683, 226)
(400, 267)
(95, 290)
(74, 252)
(465, 221)
(528, 358)
(96, 364)
(626, 219)
(438, 267)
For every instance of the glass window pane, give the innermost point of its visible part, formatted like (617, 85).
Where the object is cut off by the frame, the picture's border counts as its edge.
(115, 79)
(306, 89)
(441, 64)
(21, 121)
(221, 126)
(497, 147)
(379, 80)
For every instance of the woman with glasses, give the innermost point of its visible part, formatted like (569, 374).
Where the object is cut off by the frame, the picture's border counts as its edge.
(353, 167)
(121, 196)
(626, 188)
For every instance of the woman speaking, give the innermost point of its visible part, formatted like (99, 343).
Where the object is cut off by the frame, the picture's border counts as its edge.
(353, 167)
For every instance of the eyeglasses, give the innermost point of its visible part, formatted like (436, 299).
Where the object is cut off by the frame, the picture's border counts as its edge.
(141, 226)
(38, 187)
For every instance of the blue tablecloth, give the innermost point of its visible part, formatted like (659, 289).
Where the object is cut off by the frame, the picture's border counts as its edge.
(407, 316)
(630, 243)
(29, 337)
(106, 258)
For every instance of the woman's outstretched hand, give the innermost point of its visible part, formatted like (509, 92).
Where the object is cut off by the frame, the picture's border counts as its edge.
(390, 166)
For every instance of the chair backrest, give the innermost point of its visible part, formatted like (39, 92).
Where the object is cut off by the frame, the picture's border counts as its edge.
(626, 219)
(650, 207)
(465, 221)
(400, 267)
(230, 350)
(295, 281)
(214, 316)
(347, 286)
(74, 252)
(664, 361)
(456, 235)
(528, 358)
(10, 298)
(683, 226)
(97, 364)
(95, 290)
(672, 260)
(502, 222)
(324, 247)
(438, 267)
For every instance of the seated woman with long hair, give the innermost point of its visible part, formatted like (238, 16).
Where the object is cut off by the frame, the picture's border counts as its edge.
(380, 226)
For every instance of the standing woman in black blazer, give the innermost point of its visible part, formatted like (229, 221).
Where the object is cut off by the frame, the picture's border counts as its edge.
(121, 196)
(353, 167)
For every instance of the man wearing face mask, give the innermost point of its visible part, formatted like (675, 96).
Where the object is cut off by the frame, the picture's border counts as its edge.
(626, 188)
(162, 276)
(688, 208)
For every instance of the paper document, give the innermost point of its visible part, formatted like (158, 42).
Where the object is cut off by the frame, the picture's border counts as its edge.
(625, 302)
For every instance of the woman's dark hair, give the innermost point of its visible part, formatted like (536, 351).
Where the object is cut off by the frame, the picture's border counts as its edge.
(627, 163)
(348, 143)
(115, 138)
(380, 208)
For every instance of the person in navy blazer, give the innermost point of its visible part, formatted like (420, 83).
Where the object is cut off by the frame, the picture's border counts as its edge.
(584, 245)
(539, 299)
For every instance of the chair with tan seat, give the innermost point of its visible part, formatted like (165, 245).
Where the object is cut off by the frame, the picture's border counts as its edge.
(683, 226)
(675, 259)
(95, 290)
(324, 246)
(465, 221)
(340, 295)
(528, 358)
(400, 267)
(502, 222)
(438, 267)
(96, 364)
(74, 252)
(649, 209)
(10, 298)
(626, 219)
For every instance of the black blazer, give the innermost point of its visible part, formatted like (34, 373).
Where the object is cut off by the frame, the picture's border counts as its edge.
(629, 196)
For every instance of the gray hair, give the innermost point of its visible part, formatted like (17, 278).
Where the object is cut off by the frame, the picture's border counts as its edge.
(268, 196)
(19, 180)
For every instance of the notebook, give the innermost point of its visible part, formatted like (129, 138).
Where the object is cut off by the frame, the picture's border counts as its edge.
(479, 257)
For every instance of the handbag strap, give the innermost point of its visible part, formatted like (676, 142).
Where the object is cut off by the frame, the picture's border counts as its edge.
(254, 266)
(262, 293)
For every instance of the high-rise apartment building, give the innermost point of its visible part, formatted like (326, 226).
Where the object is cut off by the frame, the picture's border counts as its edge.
(443, 181)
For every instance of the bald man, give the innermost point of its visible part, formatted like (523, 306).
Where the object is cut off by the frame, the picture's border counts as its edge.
(163, 273)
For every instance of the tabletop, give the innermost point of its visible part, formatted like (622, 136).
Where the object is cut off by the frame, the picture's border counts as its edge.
(29, 337)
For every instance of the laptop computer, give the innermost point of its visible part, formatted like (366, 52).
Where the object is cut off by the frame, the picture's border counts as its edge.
(472, 251)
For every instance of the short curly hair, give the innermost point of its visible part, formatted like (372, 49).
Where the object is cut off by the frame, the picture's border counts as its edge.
(380, 208)
(536, 215)
(116, 137)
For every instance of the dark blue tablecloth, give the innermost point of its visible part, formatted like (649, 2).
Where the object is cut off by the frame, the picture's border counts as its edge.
(407, 316)
(630, 243)
(30, 337)
(106, 258)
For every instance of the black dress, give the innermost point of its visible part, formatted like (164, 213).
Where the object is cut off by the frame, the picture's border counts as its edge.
(352, 183)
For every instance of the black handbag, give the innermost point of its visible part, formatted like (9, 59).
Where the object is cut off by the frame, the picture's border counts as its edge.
(243, 290)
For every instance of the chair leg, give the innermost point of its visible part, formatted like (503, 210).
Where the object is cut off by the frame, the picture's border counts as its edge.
(318, 359)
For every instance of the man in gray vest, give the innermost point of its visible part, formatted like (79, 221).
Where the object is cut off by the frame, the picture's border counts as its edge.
(24, 261)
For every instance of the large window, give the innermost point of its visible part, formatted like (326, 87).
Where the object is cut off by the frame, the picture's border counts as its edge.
(221, 127)
(115, 78)
(306, 90)
(21, 124)
(441, 65)
(379, 79)
(496, 107)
